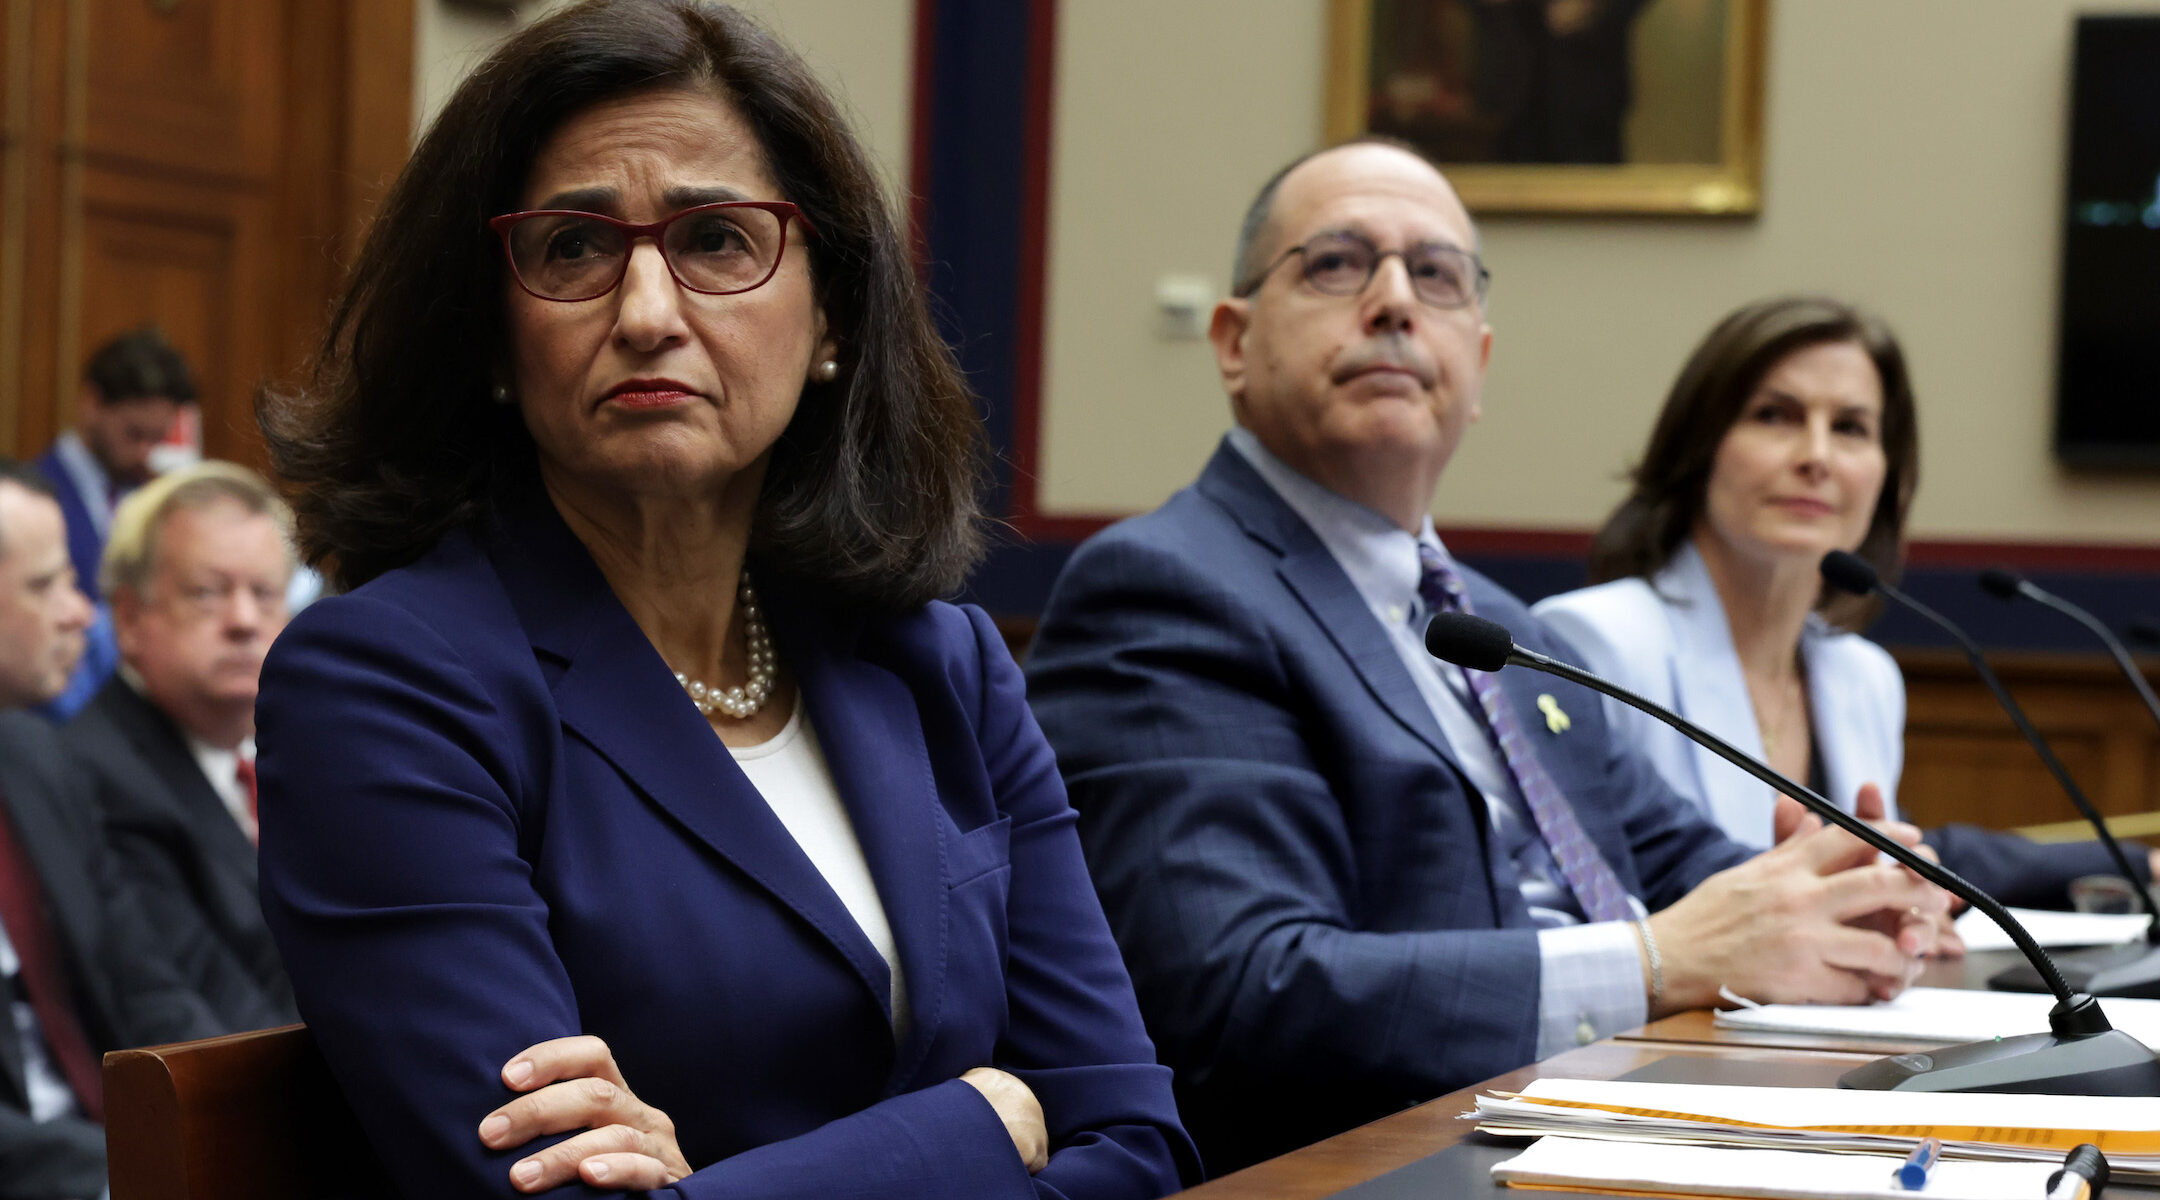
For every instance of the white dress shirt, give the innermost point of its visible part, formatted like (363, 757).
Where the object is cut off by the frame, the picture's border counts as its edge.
(222, 769)
(791, 773)
(1590, 977)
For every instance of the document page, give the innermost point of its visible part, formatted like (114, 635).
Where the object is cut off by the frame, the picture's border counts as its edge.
(1939, 1014)
(1971, 1125)
(1660, 1169)
(2053, 929)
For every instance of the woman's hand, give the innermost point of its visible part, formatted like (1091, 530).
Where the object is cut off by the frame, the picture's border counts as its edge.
(1017, 1107)
(573, 1083)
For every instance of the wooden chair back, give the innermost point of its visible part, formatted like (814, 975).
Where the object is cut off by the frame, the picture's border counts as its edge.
(248, 1116)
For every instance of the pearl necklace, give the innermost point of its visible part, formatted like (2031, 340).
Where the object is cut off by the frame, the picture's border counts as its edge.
(742, 702)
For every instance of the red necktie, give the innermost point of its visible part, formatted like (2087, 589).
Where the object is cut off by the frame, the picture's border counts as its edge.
(22, 909)
(245, 772)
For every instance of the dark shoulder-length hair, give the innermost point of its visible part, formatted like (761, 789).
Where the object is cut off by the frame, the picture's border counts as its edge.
(1669, 483)
(871, 491)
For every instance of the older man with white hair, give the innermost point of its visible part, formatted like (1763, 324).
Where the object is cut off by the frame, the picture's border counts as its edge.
(196, 571)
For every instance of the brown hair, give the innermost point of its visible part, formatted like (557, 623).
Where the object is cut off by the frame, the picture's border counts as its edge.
(871, 489)
(1670, 481)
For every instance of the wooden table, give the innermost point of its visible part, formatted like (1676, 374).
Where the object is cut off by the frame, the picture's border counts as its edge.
(1688, 1046)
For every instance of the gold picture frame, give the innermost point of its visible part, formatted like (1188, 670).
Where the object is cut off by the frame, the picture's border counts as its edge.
(1727, 182)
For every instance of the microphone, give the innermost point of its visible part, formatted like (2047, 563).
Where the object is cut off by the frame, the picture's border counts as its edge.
(2082, 1055)
(2007, 585)
(2110, 974)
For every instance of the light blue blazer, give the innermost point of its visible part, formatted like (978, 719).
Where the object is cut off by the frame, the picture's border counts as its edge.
(1666, 638)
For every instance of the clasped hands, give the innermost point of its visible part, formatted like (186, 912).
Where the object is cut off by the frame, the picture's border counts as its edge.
(1819, 918)
(573, 1083)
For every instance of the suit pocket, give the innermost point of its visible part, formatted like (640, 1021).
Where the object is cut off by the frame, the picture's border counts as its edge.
(978, 852)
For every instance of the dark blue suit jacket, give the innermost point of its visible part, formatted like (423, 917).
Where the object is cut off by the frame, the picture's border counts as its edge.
(490, 817)
(1294, 864)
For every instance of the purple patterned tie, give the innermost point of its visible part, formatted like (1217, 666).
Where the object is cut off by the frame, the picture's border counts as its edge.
(1581, 866)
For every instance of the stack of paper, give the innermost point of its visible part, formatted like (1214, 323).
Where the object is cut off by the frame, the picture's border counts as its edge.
(1973, 1126)
(1940, 1015)
(1658, 1169)
(2052, 929)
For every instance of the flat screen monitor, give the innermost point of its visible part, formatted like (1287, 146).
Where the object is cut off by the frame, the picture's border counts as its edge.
(2107, 379)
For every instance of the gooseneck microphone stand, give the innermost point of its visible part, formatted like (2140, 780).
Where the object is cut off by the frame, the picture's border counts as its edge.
(2117, 970)
(2081, 1055)
(2007, 586)
(2137, 974)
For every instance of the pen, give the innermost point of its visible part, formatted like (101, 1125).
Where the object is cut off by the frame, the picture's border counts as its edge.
(2084, 1172)
(1913, 1175)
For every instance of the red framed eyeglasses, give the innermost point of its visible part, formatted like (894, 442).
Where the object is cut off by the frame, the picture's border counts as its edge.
(713, 249)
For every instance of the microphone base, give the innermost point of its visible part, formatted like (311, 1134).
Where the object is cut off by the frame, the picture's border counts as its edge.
(2131, 971)
(2100, 1064)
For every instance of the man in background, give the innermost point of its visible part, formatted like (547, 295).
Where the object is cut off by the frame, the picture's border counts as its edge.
(1347, 877)
(132, 390)
(81, 971)
(196, 572)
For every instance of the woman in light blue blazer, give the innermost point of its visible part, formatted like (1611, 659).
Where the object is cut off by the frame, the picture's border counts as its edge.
(1790, 432)
(555, 797)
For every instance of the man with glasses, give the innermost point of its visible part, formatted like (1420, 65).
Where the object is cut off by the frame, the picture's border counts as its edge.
(1346, 877)
(196, 571)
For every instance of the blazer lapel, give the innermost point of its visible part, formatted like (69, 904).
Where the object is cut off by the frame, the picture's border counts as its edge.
(872, 734)
(1709, 689)
(617, 695)
(200, 809)
(1320, 584)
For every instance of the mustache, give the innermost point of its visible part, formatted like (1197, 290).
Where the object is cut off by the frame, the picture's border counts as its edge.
(1391, 350)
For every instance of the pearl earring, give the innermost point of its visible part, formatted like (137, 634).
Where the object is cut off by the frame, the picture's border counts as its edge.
(826, 372)
(500, 393)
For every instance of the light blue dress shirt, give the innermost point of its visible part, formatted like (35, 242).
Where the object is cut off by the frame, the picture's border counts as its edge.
(1590, 977)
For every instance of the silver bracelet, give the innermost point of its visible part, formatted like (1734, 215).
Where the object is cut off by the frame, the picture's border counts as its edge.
(1657, 961)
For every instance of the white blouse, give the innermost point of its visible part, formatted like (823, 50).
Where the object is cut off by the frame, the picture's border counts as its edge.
(790, 772)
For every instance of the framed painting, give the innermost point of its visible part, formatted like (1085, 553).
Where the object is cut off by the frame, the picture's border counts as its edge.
(1562, 106)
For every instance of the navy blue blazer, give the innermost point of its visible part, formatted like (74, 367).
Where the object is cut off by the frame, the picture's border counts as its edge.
(491, 817)
(1293, 861)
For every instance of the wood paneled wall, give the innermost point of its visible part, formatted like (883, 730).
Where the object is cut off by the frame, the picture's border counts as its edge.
(1964, 761)
(200, 164)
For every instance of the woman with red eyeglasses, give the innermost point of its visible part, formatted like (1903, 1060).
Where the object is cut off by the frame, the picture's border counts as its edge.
(639, 817)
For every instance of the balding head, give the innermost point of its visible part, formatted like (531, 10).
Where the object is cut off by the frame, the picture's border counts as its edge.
(1256, 248)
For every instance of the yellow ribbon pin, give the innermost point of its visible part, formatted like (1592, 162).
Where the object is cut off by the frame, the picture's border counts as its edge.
(1555, 719)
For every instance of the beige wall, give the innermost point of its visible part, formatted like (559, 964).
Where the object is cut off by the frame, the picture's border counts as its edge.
(1914, 165)
(861, 48)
